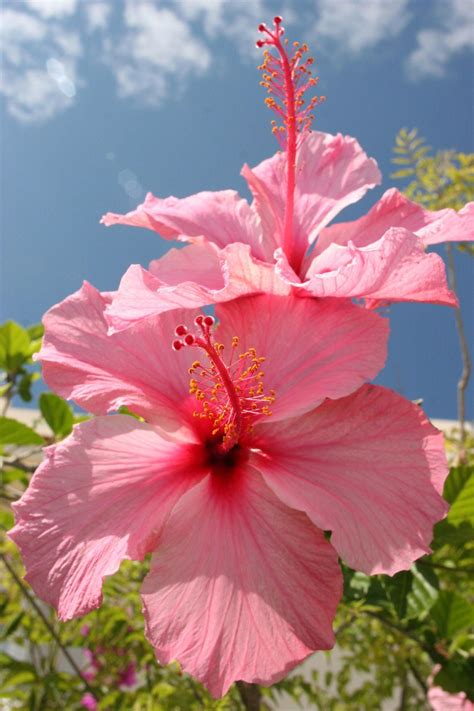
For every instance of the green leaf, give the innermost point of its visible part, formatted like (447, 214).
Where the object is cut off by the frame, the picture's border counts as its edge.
(35, 331)
(6, 520)
(424, 590)
(458, 476)
(81, 418)
(57, 414)
(401, 161)
(5, 388)
(123, 410)
(376, 594)
(356, 585)
(397, 588)
(14, 346)
(454, 535)
(14, 432)
(13, 624)
(402, 173)
(7, 476)
(451, 614)
(24, 385)
(459, 491)
(16, 679)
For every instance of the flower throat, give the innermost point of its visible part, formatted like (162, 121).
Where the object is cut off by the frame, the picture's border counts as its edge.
(287, 77)
(230, 394)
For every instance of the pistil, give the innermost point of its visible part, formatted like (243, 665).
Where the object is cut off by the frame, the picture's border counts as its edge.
(287, 78)
(231, 394)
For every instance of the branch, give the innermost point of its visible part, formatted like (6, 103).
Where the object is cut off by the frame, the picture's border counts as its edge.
(417, 676)
(18, 464)
(250, 694)
(440, 566)
(400, 630)
(466, 360)
(45, 621)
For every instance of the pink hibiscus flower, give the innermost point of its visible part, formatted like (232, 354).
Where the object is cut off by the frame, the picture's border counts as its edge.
(257, 438)
(282, 243)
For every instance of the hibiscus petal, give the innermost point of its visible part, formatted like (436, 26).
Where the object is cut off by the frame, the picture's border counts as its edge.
(242, 587)
(313, 349)
(369, 467)
(453, 227)
(99, 497)
(191, 277)
(332, 172)
(394, 268)
(101, 372)
(395, 210)
(221, 217)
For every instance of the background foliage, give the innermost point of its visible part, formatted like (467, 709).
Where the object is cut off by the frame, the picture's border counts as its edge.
(391, 631)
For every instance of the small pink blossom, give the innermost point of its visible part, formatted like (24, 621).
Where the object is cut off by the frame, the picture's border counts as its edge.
(259, 436)
(441, 700)
(128, 677)
(89, 702)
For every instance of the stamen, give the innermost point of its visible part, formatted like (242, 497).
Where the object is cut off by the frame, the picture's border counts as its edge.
(231, 395)
(287, 78)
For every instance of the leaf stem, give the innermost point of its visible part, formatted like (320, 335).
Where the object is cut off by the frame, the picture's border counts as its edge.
(466, 359)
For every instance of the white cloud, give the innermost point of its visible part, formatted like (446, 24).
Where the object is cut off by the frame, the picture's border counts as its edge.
(52, 8)
(39, 72)
(235, 21)
(211, 12)
(97, 15)
(33, 96)
(17, 32)
(356, 25)
(437, 46)
(156, 49)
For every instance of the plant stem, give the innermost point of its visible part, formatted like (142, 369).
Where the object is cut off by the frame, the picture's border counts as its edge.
(250, 695)
(466, 360)
(344, 625)
(404, 693)
(45, 621)
(416, 676)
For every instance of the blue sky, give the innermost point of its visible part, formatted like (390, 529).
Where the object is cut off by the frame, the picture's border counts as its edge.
(102, 101)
